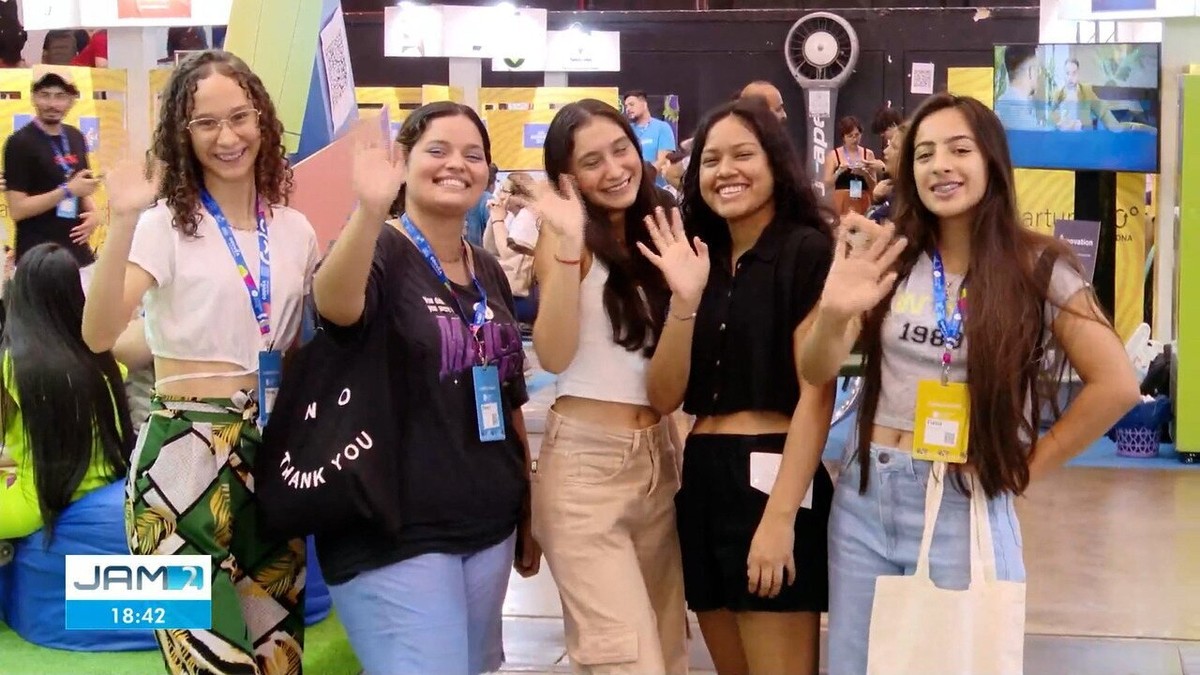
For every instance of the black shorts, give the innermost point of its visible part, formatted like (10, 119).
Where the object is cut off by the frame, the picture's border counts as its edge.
(718, 512)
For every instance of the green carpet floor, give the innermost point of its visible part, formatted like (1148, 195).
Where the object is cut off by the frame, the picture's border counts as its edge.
(326, 651)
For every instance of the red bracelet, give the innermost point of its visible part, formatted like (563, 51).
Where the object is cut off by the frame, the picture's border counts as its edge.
(568, 262)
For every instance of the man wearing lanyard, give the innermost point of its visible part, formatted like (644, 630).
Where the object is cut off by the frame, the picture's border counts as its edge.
(50, 183)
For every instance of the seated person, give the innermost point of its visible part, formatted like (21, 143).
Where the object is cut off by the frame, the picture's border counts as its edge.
(65, 418)
(504, 218)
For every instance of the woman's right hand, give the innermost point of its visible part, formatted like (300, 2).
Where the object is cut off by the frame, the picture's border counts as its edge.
(133, 187)
(860, 277)
(559, 209)
(377, 176)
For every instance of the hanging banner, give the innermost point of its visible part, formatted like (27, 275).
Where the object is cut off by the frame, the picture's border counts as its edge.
(1132, 219)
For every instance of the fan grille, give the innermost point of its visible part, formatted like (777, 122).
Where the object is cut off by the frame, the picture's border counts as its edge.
(815, 55)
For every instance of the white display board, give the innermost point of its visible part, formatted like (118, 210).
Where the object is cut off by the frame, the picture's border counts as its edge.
(463, 32)
(57, 14)
(570, 51)
(1113, 10)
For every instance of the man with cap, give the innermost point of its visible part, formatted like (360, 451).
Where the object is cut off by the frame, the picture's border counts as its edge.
(50, 183)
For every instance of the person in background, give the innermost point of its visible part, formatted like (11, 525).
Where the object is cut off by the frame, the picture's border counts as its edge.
(429, 599)
(1077, 107)
(518, 266)
(885, 189)
(755, 497)
(478, 216)
(604, 490)
(185, 39)
(60, 46)
(769, 94)
(887, 120)
(12, 37)
(933, 357)
(848, 170)
(65, 421)
(50, 182)
(1015, 106)
(95, 54)
(223, 266)
(655, 135)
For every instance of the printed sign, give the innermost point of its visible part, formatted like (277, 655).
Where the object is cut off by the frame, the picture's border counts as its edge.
(535, 135)
(1084, 238)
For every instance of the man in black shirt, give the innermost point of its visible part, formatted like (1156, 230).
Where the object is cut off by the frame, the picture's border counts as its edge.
(50, 184)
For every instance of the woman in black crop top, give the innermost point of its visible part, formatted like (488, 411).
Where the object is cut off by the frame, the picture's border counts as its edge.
(755, 498)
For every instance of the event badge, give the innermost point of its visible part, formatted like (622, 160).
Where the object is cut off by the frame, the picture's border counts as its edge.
(942, 422)
(856, 187)
(68, 208)
(270, 376)
(487, 403)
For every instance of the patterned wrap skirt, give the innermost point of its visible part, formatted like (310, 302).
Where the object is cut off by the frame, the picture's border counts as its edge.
(191, 492)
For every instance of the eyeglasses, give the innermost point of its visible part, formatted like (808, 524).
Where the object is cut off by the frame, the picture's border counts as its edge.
(241, 121)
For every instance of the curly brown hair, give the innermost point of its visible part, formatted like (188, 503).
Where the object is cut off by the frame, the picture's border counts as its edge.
(172, 144)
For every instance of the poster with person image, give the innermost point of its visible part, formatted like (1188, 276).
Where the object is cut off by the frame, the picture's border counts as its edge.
(1083, 107)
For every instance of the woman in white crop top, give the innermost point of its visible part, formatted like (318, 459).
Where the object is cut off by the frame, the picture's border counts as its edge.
(604, 488)
(907, 301)
(223, 267)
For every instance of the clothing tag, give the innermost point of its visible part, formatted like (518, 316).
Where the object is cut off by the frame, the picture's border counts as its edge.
(270, 376)
(487, 403)
(943, 422)
(68, 208)
(764, 469)
(856, 187)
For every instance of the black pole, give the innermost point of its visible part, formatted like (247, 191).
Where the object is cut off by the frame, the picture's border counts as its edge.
(1096, 200)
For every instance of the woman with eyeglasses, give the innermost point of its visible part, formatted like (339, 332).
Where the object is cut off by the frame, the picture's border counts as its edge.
(223, 265)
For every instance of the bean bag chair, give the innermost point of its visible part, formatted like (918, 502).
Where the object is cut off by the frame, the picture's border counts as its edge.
(33, 605)
(35, 608)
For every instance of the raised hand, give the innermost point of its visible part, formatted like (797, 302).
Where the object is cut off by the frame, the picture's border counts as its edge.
(561, 209)
(685, 268)
(132, 186)
(860, 276)
(376, 174)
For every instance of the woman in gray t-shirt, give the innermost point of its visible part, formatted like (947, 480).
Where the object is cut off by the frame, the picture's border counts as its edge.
(930, 404)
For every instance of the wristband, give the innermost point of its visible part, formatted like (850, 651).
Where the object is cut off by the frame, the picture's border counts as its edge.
(568, 262)
(67, 190)
(689, 317)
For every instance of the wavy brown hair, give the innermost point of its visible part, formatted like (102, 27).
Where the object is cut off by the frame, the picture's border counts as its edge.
(183, 176)
(1006, 326)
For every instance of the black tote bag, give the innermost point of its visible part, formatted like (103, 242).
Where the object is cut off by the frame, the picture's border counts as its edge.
(328, 459)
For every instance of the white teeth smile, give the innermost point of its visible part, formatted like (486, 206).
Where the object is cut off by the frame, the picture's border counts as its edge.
(621, 186)
(943, 189)
(231, 156)
(451, 183)
(732, 190)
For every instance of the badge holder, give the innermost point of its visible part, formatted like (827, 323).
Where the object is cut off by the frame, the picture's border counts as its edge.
(487, 403)
(943, 421)
(270, 377)
(856, 189)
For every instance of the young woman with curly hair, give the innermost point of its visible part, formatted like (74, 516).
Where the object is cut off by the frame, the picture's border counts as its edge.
(223, 265)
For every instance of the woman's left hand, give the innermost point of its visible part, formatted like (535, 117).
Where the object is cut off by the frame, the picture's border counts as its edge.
(684, 265)
(528, 555)
(771, 563)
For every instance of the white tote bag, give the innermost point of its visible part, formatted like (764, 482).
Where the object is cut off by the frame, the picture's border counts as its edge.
(920, 629)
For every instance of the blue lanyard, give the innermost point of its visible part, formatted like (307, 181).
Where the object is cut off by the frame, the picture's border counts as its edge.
(951, 326)
(426, 250)
(60, 156)
(260, 293)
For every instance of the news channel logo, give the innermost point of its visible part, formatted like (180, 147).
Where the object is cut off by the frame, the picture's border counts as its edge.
(123, 592)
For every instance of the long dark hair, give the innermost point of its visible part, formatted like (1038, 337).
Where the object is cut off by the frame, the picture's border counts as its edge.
(418, 122)
(67, 393)
(1007, 375)
(793, 192)
(172, 144)
(635, 295)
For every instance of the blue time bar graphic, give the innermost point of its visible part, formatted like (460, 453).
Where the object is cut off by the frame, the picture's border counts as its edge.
(138, 614)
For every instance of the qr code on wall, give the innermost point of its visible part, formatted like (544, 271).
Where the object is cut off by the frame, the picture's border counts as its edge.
(922, 78)
(339, 78)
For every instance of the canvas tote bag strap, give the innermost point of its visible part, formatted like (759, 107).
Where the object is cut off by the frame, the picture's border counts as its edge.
(933, 505)
(983, 553)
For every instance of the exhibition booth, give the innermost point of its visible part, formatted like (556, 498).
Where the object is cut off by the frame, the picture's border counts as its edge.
(1109, 185)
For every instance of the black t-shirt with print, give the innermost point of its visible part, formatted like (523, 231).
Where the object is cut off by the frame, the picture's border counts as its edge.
(31, 167)
(459, 494)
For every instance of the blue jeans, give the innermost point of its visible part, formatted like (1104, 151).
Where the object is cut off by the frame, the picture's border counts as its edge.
(879, 533)
(436, 613)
